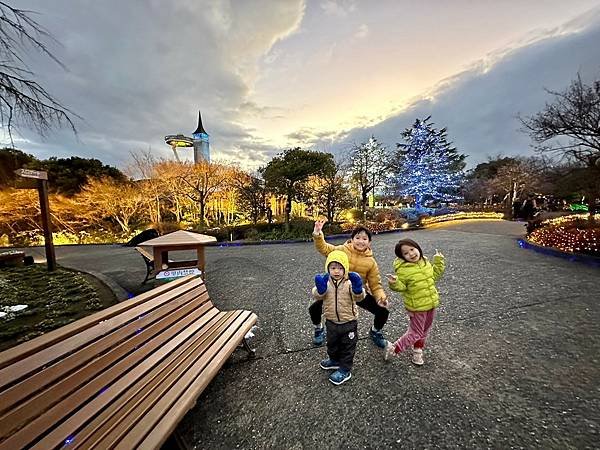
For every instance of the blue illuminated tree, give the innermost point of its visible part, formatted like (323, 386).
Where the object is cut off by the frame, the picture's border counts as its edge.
(426, 166)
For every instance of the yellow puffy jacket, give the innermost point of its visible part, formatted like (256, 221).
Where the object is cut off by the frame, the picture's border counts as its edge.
(416, 282)
(361, 262)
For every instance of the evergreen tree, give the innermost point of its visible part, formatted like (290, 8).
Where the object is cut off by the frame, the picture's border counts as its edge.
(426, 166)
(288, 173)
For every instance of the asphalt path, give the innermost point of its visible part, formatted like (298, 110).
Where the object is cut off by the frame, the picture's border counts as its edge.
(512, 360)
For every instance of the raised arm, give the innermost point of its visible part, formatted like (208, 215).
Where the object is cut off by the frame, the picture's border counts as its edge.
(322, 247)
(439, 265)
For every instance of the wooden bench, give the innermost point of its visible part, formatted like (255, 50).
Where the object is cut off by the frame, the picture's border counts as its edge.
(121, 378)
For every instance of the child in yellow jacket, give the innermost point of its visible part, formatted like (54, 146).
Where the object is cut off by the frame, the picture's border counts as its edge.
(360, 257)
(415, 279)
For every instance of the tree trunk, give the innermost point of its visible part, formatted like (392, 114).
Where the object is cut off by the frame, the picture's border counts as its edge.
(363, 204)
(202, 211)
(592, 206)
(288, 210)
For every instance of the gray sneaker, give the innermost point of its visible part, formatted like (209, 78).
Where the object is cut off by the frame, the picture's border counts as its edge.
(417, 357)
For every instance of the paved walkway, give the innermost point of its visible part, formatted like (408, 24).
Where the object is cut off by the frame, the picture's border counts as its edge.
(513, 360)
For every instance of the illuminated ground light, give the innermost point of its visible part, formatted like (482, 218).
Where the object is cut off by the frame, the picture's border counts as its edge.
(461, 216)
(562, 234)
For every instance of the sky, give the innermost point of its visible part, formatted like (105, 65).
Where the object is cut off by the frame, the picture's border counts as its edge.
(319, 74)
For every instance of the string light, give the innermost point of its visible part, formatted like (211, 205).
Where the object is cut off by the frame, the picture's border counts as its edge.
(430, 166)
(564, 233)
(461, 216)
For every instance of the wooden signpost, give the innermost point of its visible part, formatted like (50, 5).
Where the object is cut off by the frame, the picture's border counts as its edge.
(41, 178)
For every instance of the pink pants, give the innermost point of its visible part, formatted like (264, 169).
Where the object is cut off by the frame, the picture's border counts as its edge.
(418, 329)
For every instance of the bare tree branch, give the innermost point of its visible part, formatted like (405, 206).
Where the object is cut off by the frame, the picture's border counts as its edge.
(22, 100)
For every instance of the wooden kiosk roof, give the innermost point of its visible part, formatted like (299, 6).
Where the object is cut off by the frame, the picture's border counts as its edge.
(179, 237)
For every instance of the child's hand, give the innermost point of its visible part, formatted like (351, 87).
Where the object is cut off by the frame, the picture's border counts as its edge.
(321, 282)
(319, 225)
(438, 253)
(356, 281)
(383, 302)
(391, 278)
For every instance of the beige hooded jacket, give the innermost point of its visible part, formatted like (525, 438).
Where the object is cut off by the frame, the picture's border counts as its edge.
(339, 302)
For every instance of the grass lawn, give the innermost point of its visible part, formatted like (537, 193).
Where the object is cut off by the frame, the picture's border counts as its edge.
(53, 299)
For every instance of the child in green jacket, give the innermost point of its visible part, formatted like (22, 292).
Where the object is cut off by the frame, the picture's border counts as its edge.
(415, 279)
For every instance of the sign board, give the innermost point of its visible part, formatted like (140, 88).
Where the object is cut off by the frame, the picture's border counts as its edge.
(28, 173)
(26, 183)
(177, 273)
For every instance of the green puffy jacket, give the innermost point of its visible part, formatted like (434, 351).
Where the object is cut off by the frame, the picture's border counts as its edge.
(416, 282)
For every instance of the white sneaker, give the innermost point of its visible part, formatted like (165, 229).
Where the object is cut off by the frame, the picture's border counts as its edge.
(388, 352)
(417, 357)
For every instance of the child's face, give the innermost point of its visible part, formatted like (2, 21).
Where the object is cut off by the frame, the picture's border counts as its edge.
(360, 241)
(410, 253)
(336, 271)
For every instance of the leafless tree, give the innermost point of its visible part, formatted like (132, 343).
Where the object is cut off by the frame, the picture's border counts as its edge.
(517, 179)
(22, 100)
(368, 169)
(574, 116)
(331, 193)
(203, 180)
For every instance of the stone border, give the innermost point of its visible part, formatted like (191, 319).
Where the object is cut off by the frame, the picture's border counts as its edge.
(552, 251)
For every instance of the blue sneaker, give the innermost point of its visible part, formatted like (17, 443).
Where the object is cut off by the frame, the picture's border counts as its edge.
(328, 364)
(339, 376)
(319, 336)
(377, 338)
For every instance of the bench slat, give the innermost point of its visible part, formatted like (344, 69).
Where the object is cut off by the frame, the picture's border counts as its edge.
(26, 366)
(100, 385)
(157, 434)
(155, 363)
(18, 392)
(144, 398)
(25, 349)
(51, 395)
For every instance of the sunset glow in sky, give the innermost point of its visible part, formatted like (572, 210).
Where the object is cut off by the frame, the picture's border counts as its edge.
(268, 75)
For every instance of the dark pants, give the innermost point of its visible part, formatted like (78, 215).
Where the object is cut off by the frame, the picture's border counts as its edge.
(369, 303)
(341, 342)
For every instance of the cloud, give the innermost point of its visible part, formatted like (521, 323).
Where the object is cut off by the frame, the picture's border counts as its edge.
(339, 8)
(137, 74)
(362, 32)
(479, 106)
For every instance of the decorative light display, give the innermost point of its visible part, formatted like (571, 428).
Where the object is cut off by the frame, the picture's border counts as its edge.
(562, 233)
(429, 166)
(461, 216)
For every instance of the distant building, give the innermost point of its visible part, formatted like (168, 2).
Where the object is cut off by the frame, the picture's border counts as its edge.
(199, 141)
(201, 144)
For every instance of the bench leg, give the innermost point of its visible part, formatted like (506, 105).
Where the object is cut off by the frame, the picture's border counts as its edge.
(251, 351)
(149, 269)
(176, 442)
